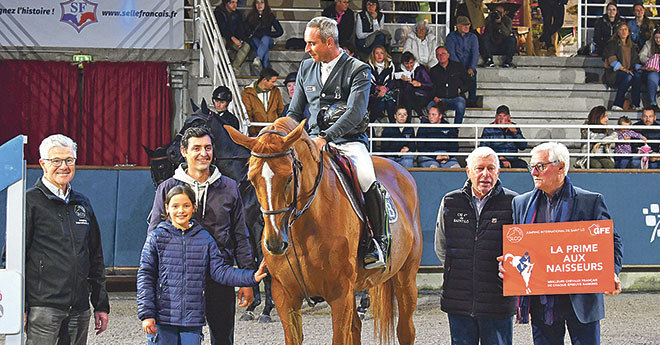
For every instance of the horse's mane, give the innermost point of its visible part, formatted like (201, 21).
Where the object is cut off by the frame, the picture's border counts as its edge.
(273, 143)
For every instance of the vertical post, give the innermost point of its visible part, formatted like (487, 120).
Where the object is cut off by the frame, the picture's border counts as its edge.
(580, 41)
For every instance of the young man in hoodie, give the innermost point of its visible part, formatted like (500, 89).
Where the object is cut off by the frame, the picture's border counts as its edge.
(220, 211)
(263, 101)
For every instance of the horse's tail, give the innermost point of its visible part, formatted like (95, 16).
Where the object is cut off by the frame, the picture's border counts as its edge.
(382, 297)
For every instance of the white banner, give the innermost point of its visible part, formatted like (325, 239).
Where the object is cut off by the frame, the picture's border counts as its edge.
(156, 24)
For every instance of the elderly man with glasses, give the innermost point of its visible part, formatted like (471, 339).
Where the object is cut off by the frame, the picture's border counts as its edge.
(555, 199)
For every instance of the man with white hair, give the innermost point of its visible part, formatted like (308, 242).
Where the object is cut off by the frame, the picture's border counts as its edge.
(63, 253)
(555, 199)
(468, 240)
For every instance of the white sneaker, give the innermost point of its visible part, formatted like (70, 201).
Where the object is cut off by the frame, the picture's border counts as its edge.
(616, 107)
(636, 108)
(256, 62)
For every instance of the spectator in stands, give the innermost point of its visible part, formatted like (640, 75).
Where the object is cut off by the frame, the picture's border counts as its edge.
(64, 267)
(382, 95)
(263, 28)
(349, 48)
(650, 50)
(473, 9)
(370, 27)
(605, 28)
(641, 27)
(441, 159)
(621, 149)
(463, 47)
(498, 38)
(602, 140)
(233, 29)
(553, 19)
(345, 18)
(624, 69)
(290, 84)
(652, 133)
(422, 45)
(263, 101)
(503, 117)
(394, 145)
(450, 79)
(415, 84)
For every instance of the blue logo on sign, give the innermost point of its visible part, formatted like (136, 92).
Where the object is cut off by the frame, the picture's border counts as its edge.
(78, 13)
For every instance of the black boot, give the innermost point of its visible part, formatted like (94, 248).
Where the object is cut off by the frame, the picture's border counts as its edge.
(380, 225)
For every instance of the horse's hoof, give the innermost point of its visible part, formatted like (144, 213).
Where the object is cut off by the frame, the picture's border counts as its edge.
(265, 318)
(247, 316)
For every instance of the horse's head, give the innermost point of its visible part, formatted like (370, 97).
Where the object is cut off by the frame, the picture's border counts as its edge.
(161, 166)
(273, 170)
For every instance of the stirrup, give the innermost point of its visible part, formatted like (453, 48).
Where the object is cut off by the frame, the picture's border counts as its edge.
(380, 262)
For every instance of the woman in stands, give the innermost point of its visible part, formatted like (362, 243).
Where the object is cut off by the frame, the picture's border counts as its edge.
(602, 140)
(415, 85)
(623, 68)
(641, 27)
(650, 57)
(264, 28)
(605, 27)
(382, 95)
(370, 27)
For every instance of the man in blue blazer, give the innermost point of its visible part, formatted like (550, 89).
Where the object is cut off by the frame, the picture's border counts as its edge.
(555, 199)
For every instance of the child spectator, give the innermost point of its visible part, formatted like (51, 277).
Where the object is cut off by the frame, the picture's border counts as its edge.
(620, 161)
(175, 260)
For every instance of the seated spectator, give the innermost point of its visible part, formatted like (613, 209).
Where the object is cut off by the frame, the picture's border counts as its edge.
(450, 79)
(463, 47)
(605, 28)
(262, 100)
(641, 27)
(290, 84)
(233, 30)
(370, 27)
(651, 69)
(473, 9)
(401, 116)
(621, 149)
(601, 140)
(414, 84)
(345, 18)
(442, 159)
(503, 117)
(623, 67)
(422, 45)
(349, 48)
(652, 133)
(263, 28)
(498, 38)
(382, 95)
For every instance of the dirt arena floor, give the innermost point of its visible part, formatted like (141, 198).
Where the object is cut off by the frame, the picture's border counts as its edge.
(632, 319)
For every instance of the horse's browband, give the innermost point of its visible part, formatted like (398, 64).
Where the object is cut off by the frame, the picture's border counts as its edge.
(271, 155)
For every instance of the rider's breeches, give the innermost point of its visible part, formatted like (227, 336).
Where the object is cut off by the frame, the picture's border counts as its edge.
(360, 156)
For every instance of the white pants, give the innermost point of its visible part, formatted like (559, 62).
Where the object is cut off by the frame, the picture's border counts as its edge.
(361, 158)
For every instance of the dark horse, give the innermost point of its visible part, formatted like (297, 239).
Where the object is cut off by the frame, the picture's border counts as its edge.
(231, 159)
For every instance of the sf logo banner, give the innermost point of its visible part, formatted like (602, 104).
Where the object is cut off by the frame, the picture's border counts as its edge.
(651, 215)
(78, 13)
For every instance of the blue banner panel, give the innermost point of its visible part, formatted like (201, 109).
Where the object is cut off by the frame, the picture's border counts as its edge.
(11, 162)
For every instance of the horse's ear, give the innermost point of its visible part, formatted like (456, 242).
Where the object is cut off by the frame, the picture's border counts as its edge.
(193, 105)
(148, 151)
(294, 135)
(240, 138)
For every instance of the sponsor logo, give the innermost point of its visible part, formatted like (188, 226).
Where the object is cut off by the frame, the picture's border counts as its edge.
(80, 211)
(651, 215)
(523, 264)
(78, 13)
(462, 218)
(597, 230)
(514, 235)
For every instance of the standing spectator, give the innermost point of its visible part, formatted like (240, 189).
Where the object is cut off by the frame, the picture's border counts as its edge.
(473, 9)
(602, 140)
(382, 95)
(652, 133)
(641, 27)
(422, 45)
(415, 85)
(503, 117)
(441, 148)
(468, 240)
(650, 50)
(370, 27)
(555, 199)
(345, 18)
(263, 101)
(220, 212)
(498, 38)
(624, 68)
(263, 28)
(553, 19)
(64, 267)
(401, 117)
(621, 161)
(463, 47)
(233, 29)
(450, 79)
(605, 28)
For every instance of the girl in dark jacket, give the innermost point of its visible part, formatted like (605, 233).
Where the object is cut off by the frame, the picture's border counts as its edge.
(605, 27)
(175, 260)
(264, 28)
(623, 68)
(382, 85)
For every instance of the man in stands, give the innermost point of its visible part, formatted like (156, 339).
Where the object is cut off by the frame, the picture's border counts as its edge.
(233, 29)
(450, 80)
(262, 99)
(441, 159)
(652, 133)
(463, 47)
(503, 117)
(498, 38)
(345, 18)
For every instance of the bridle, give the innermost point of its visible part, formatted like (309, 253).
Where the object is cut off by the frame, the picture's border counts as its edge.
(291, 213)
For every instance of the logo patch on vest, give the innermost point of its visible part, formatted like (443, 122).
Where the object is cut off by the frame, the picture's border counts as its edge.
(80, 211)
(310, 88)
(493, 220)
(461, 218)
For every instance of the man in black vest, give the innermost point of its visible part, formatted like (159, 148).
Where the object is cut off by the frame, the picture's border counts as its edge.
(468, 240)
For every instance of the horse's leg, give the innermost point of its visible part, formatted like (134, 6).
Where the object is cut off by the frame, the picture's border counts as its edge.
(343, 314)
(405, 291)
(268, 304)
(356, 329)
(288, 308)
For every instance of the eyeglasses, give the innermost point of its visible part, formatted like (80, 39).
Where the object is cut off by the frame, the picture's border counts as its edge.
(540, 167)
(56, 162)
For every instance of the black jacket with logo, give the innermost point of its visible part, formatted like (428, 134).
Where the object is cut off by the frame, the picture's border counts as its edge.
(63, 253)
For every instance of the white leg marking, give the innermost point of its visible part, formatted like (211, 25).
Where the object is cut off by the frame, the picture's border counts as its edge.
(267, 173)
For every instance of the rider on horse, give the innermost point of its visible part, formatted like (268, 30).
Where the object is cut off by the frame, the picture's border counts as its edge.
(332, 76)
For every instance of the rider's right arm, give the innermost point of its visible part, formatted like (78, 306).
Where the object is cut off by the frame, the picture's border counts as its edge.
(440, 239)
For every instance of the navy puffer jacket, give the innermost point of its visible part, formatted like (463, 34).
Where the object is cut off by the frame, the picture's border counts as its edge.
(172, 275)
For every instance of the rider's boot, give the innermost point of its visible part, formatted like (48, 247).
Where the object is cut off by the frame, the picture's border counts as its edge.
(375, 204)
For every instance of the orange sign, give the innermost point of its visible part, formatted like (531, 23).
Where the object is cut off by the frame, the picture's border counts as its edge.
(558, 258)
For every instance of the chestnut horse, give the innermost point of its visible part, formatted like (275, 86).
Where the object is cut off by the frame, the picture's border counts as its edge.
(317, 255)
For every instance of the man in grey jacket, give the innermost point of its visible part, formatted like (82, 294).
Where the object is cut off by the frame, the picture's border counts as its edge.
(330, 77)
